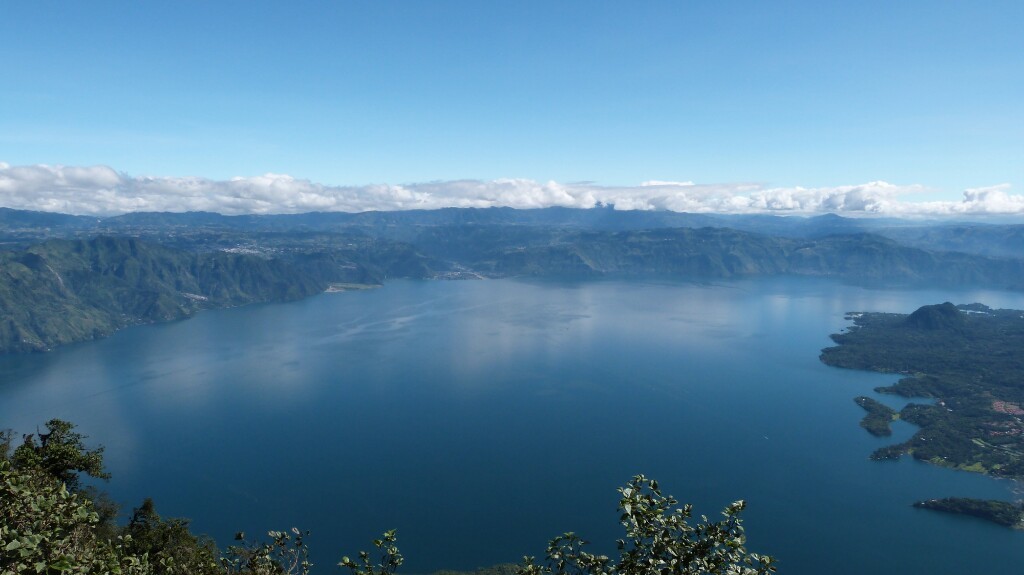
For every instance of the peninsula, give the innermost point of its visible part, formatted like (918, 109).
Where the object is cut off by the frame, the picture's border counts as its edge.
(966, 361)
(999, 512)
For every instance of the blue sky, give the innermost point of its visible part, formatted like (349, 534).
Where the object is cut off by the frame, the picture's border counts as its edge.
(924, 95)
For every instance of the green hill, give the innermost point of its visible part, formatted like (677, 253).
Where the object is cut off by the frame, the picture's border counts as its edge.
(62, 291)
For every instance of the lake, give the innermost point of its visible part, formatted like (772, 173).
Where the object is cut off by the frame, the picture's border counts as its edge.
(482, 418)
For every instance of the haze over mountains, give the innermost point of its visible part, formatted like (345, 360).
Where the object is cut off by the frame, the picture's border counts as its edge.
(67, 278)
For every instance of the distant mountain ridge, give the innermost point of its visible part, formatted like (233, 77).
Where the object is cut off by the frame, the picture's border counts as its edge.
(70, 278)
(993, 240)
(600, 218)
(711, 253)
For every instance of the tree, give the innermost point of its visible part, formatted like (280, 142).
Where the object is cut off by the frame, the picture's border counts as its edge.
(659, 540)
(6, 441)
(61, 454)
(168, 543)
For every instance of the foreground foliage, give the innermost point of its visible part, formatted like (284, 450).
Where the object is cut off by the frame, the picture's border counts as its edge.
(44, 528)
(659, 540)
(49, 525)
(60, 453)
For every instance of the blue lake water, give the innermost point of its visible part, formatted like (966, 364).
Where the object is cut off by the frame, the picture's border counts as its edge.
(482, 418)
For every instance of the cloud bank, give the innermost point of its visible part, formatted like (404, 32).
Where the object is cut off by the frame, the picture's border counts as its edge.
(100, 190)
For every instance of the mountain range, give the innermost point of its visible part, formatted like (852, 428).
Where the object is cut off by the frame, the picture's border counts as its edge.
(67, 278)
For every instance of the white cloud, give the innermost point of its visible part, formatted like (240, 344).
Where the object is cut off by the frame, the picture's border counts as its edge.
(100, 190)
(664, 183)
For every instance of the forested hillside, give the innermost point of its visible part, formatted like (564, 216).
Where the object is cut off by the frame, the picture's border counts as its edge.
(70, 290)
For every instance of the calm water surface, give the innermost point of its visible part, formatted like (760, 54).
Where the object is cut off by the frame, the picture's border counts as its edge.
(482, 418)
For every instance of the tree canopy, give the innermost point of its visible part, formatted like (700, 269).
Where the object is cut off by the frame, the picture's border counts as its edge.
(61, 453)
